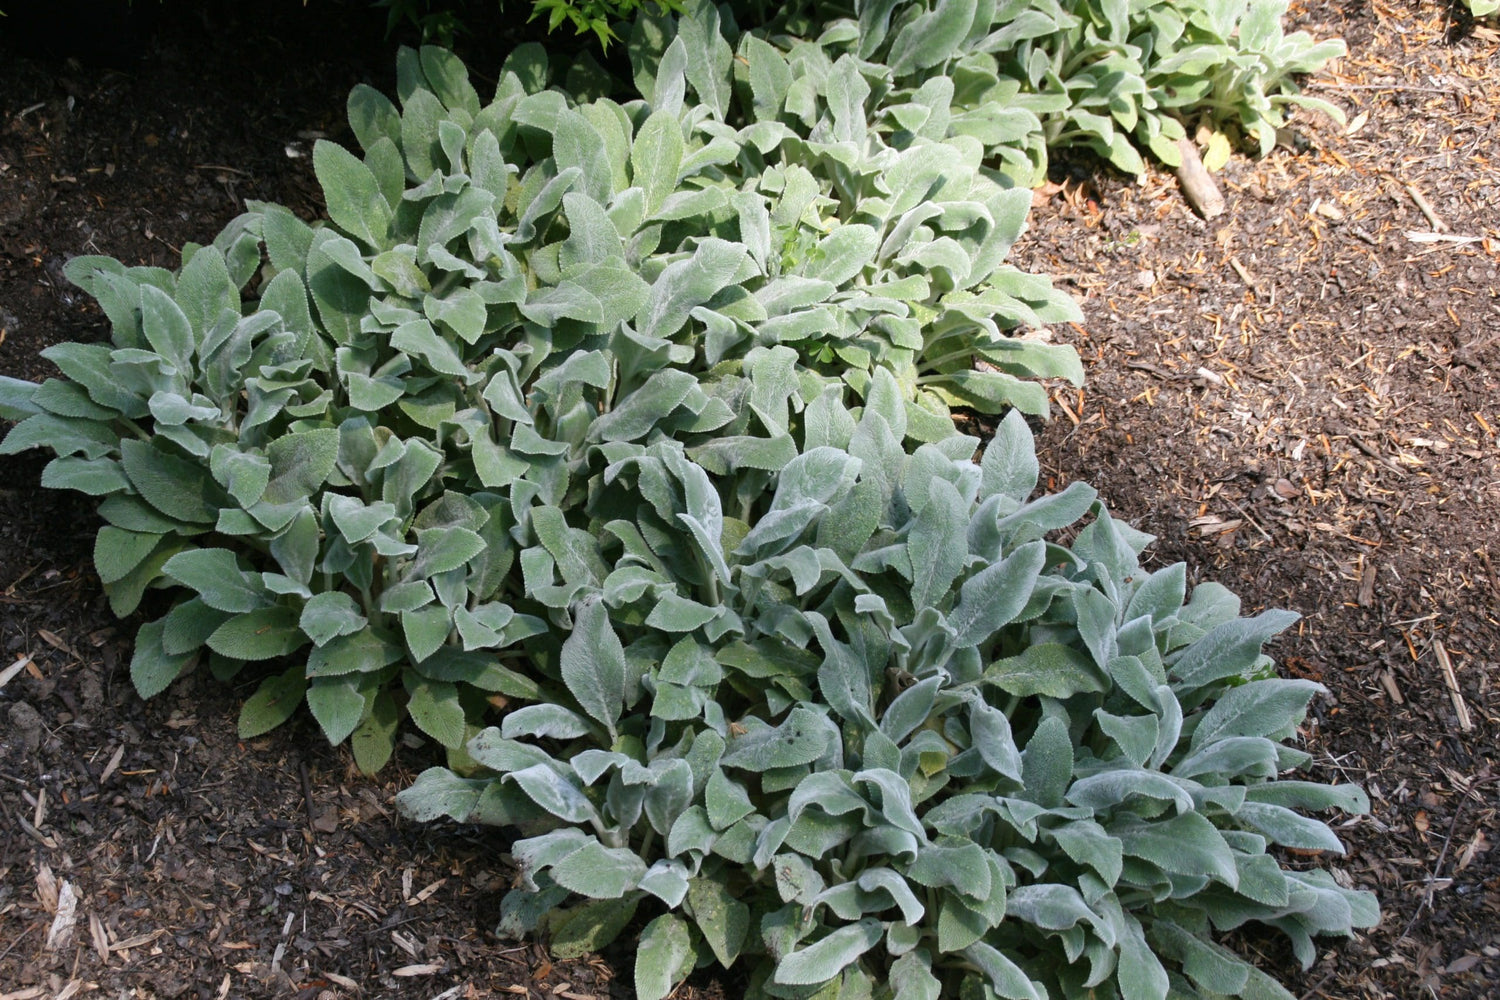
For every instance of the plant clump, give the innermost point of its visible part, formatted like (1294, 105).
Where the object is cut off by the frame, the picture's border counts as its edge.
(610, 442)
(1027, 77)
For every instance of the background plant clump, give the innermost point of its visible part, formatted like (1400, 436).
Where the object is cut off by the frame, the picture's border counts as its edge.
(610, 442)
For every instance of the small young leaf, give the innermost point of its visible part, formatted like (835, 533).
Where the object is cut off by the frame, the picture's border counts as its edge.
(329, 615)
(375, 739)
(272, 703)
(151, 667)
(338, 703)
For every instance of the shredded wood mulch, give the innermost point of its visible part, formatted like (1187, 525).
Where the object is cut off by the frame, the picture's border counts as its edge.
(1299, 398)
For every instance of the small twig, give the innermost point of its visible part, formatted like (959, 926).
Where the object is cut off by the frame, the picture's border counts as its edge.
(19, 938)
(1319, 984)
(222, 167)
(13, 669)
(1490, 572)
(1418, 237)
(1437, 224)
(1253, 523)
(1355, 439)
(1239, 269)
(1451, 680)
(1158, 371)
(307, 797)
(1385, 86)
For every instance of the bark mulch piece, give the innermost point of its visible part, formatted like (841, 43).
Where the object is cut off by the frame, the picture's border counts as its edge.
(1300, 399)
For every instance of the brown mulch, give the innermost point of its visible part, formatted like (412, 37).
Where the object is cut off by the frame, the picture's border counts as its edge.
(1299, 398)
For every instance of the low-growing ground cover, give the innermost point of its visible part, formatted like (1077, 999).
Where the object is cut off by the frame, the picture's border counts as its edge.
(412, 892)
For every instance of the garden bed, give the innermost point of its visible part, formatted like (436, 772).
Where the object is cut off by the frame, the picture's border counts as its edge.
(1298, 397)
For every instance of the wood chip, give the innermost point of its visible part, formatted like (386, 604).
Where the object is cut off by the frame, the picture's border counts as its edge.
(46, 888)
(138, 941)
(425, 969)
(426, 893)
(1388, 681)
(60, 934)
(1197, 183)
(114, 762)
(1460, 708)
(1367, 585)
(100, 937)
(55, 641)
(10, 672)
(338, 980)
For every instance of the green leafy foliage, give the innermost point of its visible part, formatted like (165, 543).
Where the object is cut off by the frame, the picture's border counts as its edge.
(933, 754)
(1024, 76)
(365, 454)
(1483, 8)
(440, 21)
(633, 419)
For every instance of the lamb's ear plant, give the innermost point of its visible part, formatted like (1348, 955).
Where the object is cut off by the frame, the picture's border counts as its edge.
(630, 420)
(878, 736)
(1027, 76)
(326, 441)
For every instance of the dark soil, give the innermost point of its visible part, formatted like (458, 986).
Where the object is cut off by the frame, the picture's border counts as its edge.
(1298, 398)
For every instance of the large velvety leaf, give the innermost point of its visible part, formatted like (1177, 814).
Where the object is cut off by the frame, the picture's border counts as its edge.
(723, 920)
(177, 488)
(117, 552)
(338, 703)
(827, 957)
(593, 664)
(801, 739)
(263, 634)
(435, 708)
(218, 578)
(300, 463)
(600, 872)
(938, 544)
(354, 200)
(993, 597)
(663, 958)
(1052, 669)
